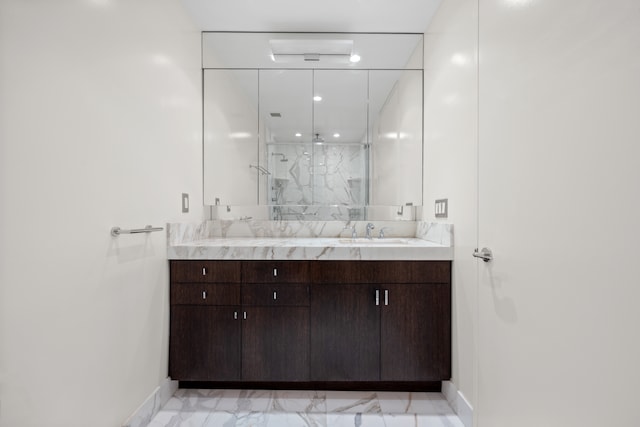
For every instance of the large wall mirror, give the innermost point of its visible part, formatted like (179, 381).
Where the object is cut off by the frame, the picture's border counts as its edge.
(313, 126)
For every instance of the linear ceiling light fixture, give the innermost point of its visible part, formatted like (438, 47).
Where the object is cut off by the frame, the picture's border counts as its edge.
(313, 50)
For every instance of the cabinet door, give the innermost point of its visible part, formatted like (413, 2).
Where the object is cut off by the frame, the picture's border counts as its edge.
(416, 332)
(275, 344)
(204, 343)
(345, 333)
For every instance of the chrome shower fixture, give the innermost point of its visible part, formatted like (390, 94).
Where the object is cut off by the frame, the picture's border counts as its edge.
(283, 159)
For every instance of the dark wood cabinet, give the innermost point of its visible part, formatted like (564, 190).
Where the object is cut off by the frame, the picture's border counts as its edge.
(319, 323)
(240, 325)
(345, 337)
(204, 343)
(381, 320)
(275, 326)
(275, 344)
(204, 339)
(415, 333)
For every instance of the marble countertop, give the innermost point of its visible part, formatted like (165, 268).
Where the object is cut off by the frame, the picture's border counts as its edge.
(311, 248)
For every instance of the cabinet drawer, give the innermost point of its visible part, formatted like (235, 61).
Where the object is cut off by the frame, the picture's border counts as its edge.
(205, 294)
(381, 272)
(206, 271)
(266, 294)
(275, 272)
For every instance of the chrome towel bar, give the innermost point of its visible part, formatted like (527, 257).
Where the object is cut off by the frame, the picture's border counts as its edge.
(116, 231)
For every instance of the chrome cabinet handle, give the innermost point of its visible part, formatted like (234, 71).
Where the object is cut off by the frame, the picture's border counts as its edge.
(204, 294)
(485, 254)
(275, 295)
(377, 297)
(244, 315)
(275, 272)
(235, 315)
(386, 297)
(204, 271)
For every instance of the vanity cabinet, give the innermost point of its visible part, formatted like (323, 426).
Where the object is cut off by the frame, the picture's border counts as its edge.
(381, 320)
(204, 340)
(275, 325)
(320, 323)
(239, 320)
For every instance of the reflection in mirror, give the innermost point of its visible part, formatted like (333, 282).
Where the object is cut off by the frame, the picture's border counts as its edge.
(320, 139)
(230, 141)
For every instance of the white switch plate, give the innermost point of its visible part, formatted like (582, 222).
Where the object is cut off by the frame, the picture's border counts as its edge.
(185, 202)
(442, 208)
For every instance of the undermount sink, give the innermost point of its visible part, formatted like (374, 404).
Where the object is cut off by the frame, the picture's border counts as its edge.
(375, 241)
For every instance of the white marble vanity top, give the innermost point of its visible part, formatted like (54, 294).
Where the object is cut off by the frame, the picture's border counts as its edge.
(207, 242)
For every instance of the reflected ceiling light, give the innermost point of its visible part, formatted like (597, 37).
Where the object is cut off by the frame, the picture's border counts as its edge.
(317, 98)
(336, 135)
(517, 3)
(239, 135)
(298, 134)
(354, 58)
(460, 59)
(160, 59)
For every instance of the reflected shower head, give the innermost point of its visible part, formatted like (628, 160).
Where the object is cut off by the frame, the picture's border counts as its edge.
(283, 159)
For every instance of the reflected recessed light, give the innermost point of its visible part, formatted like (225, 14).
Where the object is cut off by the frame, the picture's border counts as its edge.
(240, 135)
(298, 134)
(317, 98)
(336, 135)
(460, 59)
(354, 58)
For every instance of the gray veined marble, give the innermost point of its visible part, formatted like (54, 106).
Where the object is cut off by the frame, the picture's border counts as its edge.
(264, 408)
(312, 240)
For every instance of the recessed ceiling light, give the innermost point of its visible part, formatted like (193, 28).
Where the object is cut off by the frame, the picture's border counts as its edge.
(336, 135)
(298, 134)
(354, 58)
(317, 98)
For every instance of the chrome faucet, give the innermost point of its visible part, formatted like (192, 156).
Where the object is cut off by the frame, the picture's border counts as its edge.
(381, 235)
(354, 234)
(369, 228)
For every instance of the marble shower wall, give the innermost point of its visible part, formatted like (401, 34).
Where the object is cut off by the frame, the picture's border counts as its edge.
(309, 180)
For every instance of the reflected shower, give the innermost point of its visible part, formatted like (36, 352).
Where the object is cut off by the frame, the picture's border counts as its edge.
(283, 159)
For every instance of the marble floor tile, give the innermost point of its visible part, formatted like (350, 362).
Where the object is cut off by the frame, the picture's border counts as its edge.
(353, 402)
(284, 408)
(413, 403)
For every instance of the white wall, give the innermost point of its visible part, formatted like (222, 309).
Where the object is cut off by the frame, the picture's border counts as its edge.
(450, 165)
(560, 207)
(99, 126)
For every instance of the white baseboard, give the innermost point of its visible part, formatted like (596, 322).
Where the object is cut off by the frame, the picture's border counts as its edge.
(150, 407)
(458, 402)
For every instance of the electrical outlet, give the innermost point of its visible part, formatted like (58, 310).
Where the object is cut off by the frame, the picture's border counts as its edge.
(185, 202)
(442, 208)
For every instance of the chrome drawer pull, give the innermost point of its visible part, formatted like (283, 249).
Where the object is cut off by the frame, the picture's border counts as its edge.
(204, 294)
(386, 297)
(275, 295)
(235, 315)
(275, 272)
(204, 271)
(377, 297)
(245, 315)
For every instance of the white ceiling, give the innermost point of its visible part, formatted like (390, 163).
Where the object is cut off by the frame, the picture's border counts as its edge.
(408, 16)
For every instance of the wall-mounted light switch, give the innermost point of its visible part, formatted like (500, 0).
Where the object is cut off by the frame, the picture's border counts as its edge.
(442, 208)
(185, 202)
